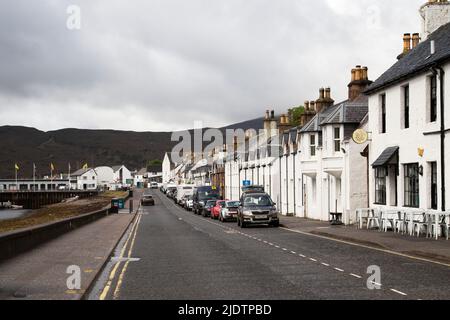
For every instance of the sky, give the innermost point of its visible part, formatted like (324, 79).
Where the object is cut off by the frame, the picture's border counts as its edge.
(164, 65)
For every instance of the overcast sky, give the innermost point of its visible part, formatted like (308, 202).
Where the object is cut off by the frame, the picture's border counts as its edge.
(160, 65)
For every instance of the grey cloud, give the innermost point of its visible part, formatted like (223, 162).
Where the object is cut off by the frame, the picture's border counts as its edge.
(162, 64)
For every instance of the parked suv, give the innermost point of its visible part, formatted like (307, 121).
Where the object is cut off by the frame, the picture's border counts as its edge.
(257, 209)
(202, 195)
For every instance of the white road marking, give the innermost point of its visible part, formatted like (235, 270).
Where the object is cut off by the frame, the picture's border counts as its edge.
(301, 255)
(366, 247)
(399, 292)
(284, 249)
(293, 252)
(338, 269)
(312, 259)
(355, 275)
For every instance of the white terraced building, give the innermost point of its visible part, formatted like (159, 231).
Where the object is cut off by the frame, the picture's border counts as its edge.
(331, 166)
(410, 122)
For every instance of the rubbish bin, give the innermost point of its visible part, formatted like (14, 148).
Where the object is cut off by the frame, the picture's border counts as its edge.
(121, 203)
(114, 206)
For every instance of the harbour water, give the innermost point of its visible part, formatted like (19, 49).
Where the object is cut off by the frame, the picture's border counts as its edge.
(8, 214)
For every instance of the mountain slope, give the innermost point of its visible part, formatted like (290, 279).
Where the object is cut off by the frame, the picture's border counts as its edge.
(26, 146)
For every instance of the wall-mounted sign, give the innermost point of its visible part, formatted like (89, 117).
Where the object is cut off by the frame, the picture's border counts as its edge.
(246, 183)
(421, 152)
(360, 136)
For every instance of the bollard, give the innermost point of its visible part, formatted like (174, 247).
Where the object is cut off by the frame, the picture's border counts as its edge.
(131, 206)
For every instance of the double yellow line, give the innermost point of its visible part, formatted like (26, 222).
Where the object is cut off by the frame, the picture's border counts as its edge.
(112, 275)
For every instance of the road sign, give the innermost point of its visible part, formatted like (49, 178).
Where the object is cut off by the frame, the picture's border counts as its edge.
(246, 183)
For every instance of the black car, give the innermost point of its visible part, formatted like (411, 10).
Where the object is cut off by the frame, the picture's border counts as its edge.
(147, 200)
(206, 212)
(257, 209)
(202, 195)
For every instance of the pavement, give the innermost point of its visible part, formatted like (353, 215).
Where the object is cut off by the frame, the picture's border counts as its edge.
(42, 273)
(173, 254)
(421, 248)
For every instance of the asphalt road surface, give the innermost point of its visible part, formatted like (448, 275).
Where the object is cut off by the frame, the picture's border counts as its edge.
(170, 253)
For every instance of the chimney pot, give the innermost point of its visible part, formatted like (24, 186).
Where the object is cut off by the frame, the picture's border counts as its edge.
(406, 42)
(358, 73)
(328, 93)
(322, 93)
(306, 105)
(415, 40)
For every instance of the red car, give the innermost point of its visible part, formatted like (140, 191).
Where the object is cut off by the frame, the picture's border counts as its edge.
(215, 211)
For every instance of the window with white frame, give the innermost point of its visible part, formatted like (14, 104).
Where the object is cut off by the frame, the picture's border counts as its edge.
(337, 139)
(411, 180)
(433, 98)
(383, 113)
(312, 145)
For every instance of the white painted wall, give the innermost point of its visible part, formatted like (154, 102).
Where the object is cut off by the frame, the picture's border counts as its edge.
(409, 140)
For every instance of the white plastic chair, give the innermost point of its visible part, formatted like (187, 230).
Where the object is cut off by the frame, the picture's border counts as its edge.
(373, 217)
(388, 219)
(423, 222)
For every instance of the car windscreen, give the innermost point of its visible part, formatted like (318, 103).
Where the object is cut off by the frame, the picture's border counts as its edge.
(233, 204)
(207, 195)
(257, 200)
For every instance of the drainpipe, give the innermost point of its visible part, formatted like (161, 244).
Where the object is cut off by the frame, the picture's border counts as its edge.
(442, 131)
(281, 184)
(293, 168)
(287, 186)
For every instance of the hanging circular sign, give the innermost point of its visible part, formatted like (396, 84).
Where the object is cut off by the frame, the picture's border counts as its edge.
(360, 136)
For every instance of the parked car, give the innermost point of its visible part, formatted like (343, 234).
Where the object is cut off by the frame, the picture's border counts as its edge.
(147, 200)
(202, 195)
(170, 192)
(189, 203)
(215, 211)
(182, 191)
(154, 185)
(209, 205)
(257, 209)
(229, 211)
(252, 188)
(182, 201)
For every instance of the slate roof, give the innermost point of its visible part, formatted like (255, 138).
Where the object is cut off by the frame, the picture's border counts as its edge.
(418, 60)
(80, 172)
(348, 112)
(385, 157)
(115, 168)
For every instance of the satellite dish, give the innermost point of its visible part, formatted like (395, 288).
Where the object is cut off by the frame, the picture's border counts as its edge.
(360, 136)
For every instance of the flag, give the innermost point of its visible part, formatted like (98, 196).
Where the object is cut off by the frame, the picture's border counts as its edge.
(85, 166)
(52, 167)
(16, 166)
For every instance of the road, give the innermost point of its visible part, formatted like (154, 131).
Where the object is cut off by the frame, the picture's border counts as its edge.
(173, 254)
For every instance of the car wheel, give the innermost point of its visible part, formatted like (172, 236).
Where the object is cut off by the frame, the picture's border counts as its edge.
(275, 224)
(243, 225)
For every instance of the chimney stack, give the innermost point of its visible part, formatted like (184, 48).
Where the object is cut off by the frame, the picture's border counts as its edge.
(270, 123)
(324, 100)
(435, 14)
(359, 83)
(415, 40)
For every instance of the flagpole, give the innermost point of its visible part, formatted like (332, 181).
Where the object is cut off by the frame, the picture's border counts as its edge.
(17, 185)
(34, 177)
(51, 176)
(70, 185)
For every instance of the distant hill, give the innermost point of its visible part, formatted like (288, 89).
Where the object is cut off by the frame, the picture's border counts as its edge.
(26, 146)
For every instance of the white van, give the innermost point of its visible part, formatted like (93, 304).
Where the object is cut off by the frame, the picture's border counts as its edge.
(184, 190)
